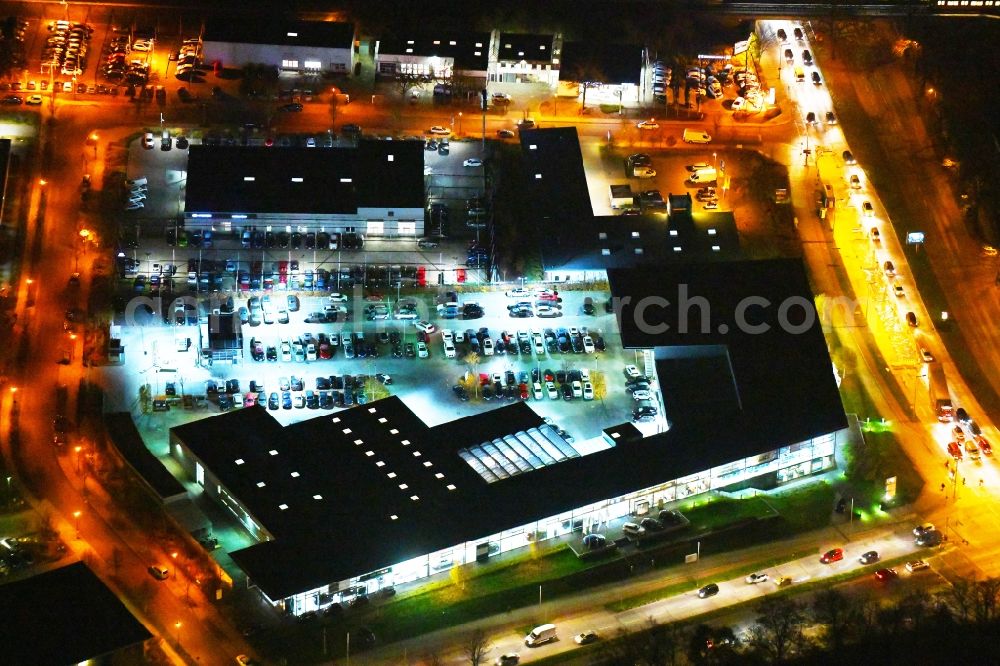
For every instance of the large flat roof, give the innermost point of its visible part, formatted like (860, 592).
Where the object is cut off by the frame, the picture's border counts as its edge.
(259, 179)
(126, 438)
(470, 51)
(517, 47)
(319, 488)
(64, 616)
(237, 29)
(553, 165)
(622, 241)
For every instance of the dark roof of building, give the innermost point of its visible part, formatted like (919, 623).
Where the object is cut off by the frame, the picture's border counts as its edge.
(624, 241)
(617, 63)
(126, 438)
(253, 30)
(64, 616)
(337, 521)
(258, 179)
(225, 331)
(553, 166)
(470, 51)
(760, 385)
(527, 47)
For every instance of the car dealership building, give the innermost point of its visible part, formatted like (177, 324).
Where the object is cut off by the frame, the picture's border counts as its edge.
(348, 503)
(375, 188)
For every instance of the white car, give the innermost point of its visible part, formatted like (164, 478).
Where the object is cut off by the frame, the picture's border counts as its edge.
(311, 142)
(550, 388)
(577, 389)
(147, 140)
(299, 401)
(547, 311)
(632, 372)
(588, 391)
(518, 292)
(755, 578)
(642, 394)
(487, 346)
(422, 350)
(447, 334)
(648, 125)
(449, 349)
(425, 326)
(437, 129)
(585, 374)
(473, 162)
(337, 298)
(537, 391)
(310, 352)
(286, 351)
(738, 104)
(588, 344)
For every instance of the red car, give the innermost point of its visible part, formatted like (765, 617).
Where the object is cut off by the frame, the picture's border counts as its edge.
(886, 575)
(325, 351)
(548, 296)
(834, 555)
(524, 391)
(955, 450)
(984, 446)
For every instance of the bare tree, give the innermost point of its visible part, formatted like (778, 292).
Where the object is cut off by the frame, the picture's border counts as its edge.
(588, 75)
(837, 613)
(476, 646)
(777, 633)
(404, 83)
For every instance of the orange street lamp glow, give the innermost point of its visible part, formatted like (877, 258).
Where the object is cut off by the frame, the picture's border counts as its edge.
(43, 182)
(85, 233)
(13, 389)
(93, 137)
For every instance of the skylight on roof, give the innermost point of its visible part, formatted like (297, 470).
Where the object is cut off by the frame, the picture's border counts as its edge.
(506, 46)
(414, 497)
(293, 34)
(403, 486)
(317, 497)
(405, 442)
(282, 506)
(716, 248)
(358, 442)
(452, 43)
(371, 410)
(711, 232)
(249, 179)
(538, 176)
(295, 475)
(416, 454)
(520, 53)
(409, 50)
(477, 53)
(391, 475)
(677, 248)
(532, 146)
(428, 463)
(393, 517)
(239, 461)
(346, 431)
(450, 486)
(369, 453)
(673, 232)
(382, 419)
(439, 475)
(273, 452)
(518, 453)
(410, 41)
(615, 435)
(436, 42)
(297, 179)
(347, 180)
(380, 463)
(390, 158)
(479, 45)
(261, 484)
(635, 234)
(336, 419)
(393, 431)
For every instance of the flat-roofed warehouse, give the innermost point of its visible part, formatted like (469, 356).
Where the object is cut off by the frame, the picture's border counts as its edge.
(376, 188)
(371, 497)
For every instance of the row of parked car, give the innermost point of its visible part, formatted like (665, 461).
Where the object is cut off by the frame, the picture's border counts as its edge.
(66, 47)
(332, 391)
(323, 346)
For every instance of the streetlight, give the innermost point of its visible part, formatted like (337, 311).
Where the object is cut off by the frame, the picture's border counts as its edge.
(77, 449)
(174, 556)
(459, 123)
(76, 516)
(715, 158)
(177, 626)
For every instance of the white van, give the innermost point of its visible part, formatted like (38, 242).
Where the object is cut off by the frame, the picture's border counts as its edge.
(704, 176)
(696, 136)
(541, 635)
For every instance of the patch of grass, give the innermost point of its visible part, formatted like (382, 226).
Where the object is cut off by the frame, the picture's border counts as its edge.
(805, 508)
(879, 458)
(712, 513)
(610, 108)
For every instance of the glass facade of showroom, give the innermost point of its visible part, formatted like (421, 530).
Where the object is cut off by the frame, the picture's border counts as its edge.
(786, 464)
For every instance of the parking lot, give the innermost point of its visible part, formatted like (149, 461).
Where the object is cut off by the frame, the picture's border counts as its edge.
(425, 384)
